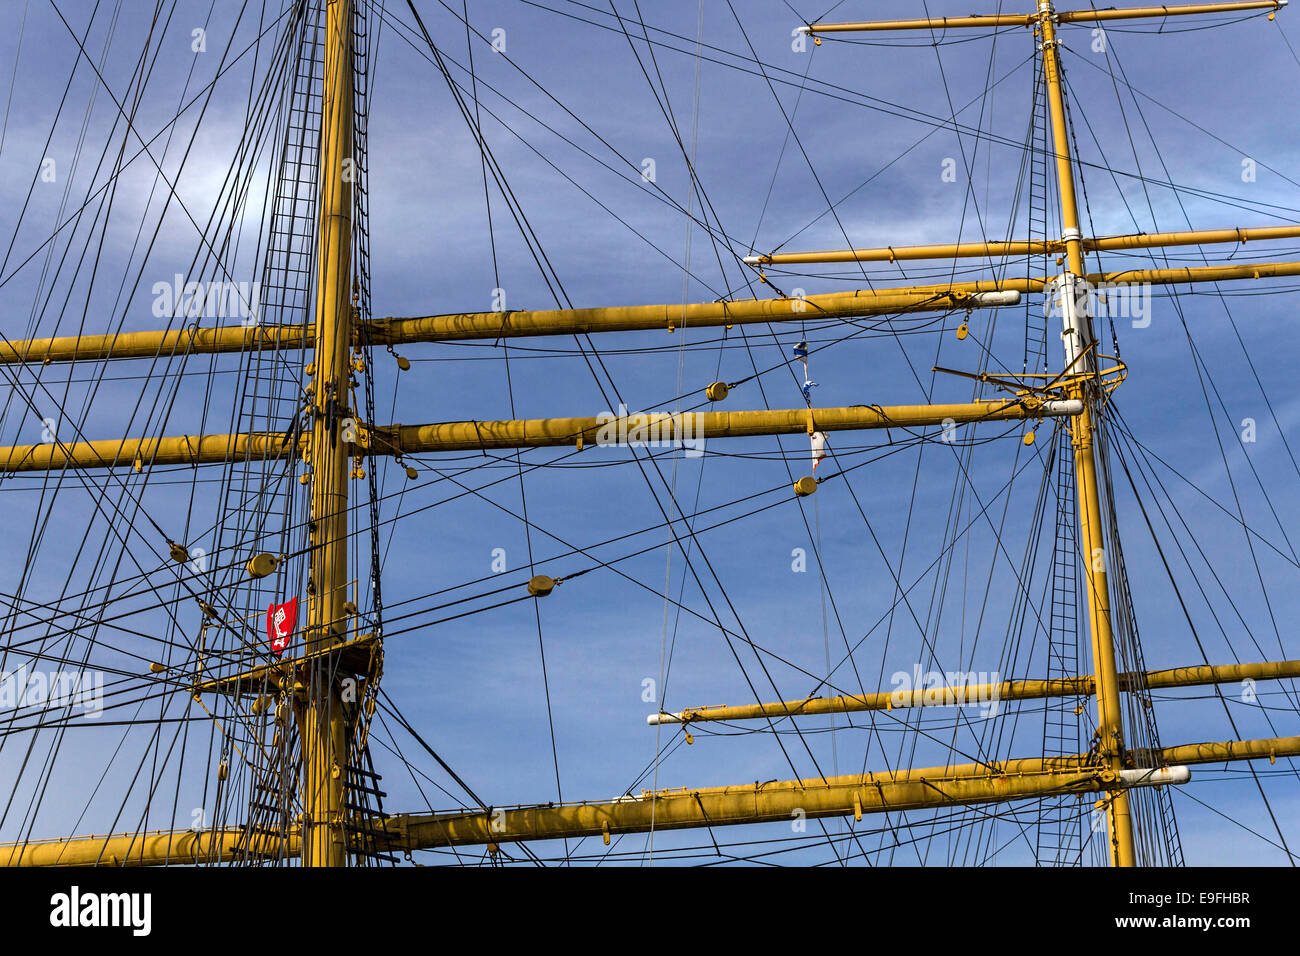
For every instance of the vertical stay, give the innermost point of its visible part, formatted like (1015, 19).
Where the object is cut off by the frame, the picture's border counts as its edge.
(1077, 336)
(323, 726)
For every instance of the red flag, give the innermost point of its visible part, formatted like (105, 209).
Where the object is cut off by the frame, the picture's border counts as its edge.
(280, 622)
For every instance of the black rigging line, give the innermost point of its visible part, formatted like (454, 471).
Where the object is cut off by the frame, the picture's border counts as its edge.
(1191, 625)
(553, 282)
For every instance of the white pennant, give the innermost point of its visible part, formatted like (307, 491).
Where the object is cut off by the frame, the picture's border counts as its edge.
(818, 448)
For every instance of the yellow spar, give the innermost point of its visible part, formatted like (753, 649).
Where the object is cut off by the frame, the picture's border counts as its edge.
(772, 801)
(855, 794)
(154, 848)
(982, 693)
(530, 433)
(1024, 20)
(1022, 247)
(515, 324)
(467, 326)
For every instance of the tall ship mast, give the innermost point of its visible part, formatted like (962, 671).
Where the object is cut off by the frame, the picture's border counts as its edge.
(941, 665)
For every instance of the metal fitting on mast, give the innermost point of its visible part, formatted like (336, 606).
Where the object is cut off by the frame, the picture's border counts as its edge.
(1072, 294)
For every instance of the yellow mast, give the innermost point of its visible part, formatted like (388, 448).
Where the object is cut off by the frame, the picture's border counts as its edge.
(322, 724)
(1080, 359)
(1079, 339)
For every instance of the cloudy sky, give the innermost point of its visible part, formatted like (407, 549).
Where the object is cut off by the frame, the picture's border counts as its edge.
(896, 139)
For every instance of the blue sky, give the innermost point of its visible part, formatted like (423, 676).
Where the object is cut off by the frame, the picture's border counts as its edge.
(872, 130)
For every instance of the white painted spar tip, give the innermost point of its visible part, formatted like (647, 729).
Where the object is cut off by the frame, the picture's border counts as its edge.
(753, 260)
(655, 719)
(809, 29)
(996, 298)
(1156, 777)
(1063, 406)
